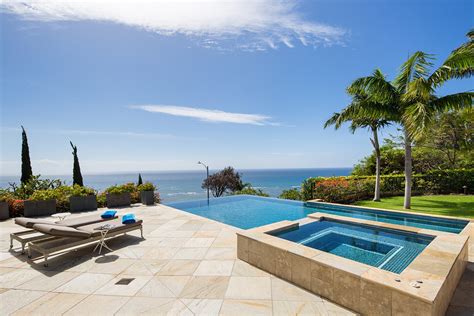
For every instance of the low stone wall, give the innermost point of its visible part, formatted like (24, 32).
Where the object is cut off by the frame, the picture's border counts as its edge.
(362, 288)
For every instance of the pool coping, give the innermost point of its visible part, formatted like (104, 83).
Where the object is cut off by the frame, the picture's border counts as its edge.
(355, 285)
(317, 201)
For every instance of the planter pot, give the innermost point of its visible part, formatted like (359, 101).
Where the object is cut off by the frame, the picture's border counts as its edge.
(4, 214)
(39, 208)
(147, 197)
(115, 200)
(83, 203)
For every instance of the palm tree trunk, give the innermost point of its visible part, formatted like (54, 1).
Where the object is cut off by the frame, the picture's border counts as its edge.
(375, 142)
(408, 170)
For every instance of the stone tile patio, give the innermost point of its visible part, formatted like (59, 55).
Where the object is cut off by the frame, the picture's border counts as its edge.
(186, 265)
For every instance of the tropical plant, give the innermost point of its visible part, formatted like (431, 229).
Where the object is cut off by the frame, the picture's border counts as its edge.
(249, 190)
(26, 189)
(26, 170)
(373, 124)
(76, 171)
(291, 194)
(411, 100)
(224, 181)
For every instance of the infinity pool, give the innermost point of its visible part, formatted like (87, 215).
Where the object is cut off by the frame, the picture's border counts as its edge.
(387, 249)
(248, 211)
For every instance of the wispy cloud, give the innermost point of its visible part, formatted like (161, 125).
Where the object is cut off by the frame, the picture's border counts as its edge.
(252, 24)
(207, 115)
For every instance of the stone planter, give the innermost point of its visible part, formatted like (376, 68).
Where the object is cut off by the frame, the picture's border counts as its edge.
(115, 200)
(4, 214)
(39, 208)
(83, 203)
(147, 197)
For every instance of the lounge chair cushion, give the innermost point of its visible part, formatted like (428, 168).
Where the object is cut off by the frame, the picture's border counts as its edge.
(117, 223)
(60, 231)
(29, 222)
(83, 220)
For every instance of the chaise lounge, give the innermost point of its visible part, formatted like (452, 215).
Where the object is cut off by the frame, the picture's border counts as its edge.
(68, 238)
(31, 234)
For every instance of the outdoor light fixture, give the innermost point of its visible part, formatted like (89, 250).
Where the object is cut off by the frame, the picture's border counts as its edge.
(207, 172)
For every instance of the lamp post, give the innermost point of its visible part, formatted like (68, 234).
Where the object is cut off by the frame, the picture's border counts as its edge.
(207, 177)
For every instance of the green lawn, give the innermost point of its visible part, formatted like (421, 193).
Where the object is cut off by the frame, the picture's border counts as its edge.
(449, 205)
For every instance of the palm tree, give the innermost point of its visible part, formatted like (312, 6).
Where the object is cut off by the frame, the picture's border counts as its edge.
(374, 125)
(411, 100)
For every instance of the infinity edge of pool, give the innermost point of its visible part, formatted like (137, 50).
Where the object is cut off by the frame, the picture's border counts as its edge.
(249, 211)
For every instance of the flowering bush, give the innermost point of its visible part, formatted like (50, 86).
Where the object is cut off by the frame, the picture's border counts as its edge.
(351, 189)
(16, 207)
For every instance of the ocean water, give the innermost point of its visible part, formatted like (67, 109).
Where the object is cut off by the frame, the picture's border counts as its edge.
(186, 185)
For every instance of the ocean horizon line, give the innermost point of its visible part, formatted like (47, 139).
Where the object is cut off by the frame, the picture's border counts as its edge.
(174, 171)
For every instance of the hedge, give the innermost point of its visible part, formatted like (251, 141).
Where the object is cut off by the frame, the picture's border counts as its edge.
(350, 189)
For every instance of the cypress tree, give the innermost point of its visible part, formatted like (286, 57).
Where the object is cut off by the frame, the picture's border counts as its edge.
(76, 170)
(26, 171)
(140, 181)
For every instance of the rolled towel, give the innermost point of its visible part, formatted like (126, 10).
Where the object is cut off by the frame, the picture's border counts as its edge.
(108, 214)
(128, 219)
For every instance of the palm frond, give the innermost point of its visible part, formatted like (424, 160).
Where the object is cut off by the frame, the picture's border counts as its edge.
(418, 90)
(417, 66)
(455, 101)
(376, 87)
(419, 115)
(458, 65)
(333, 120)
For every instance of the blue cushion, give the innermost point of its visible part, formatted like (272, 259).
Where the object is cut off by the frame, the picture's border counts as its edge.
(108, 214)
(128, 219)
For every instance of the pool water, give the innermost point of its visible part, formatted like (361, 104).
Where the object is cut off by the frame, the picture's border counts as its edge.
(249, 211)
(387, 249)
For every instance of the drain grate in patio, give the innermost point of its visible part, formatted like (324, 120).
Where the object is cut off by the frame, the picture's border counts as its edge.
(124, 281)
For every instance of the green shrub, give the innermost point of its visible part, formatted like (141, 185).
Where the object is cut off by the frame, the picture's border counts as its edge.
(6, 195)
(101, 200)
(147, 186)
(44, 195)
(78, 190)
(119, 189)
(250, 191)
(351, 189)
(124, 188)
(292, 194)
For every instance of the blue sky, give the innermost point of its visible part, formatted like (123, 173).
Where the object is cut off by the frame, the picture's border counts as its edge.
(241, 83)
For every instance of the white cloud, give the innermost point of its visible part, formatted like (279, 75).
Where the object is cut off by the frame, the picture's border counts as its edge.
(256, 24)
(207, 115)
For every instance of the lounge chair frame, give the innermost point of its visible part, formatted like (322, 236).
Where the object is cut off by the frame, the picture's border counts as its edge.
(25, 240)
(19, 236)
(46, 252)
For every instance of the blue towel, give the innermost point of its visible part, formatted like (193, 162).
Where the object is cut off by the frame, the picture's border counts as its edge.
(108, 214)
(128, 219)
